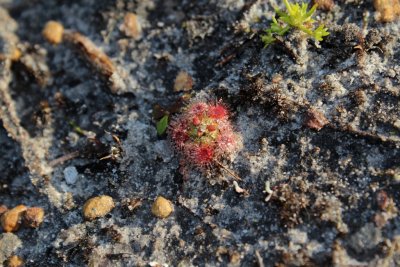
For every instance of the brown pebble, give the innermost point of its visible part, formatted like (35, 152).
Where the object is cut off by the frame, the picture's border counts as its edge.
(315, 120)
(3, 208)
(33, 217)
(326, 5)
(183, 82)
(131, 26)
(16, 54)
(15, 261)
(162, 207)
(53, 32)
(97, 207)
(388, 10)
(13, 53)
(11, 219)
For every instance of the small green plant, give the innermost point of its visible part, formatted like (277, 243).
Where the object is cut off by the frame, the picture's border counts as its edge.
(162, 125)
(296, 17)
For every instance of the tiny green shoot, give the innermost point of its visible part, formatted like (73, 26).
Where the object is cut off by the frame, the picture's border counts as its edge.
(297, 17)
(162, 125)
(76, 128)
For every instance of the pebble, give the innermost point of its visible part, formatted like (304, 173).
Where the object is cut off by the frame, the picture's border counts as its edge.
(53, 32)
(97, 207)
(11, 219)
(131, 26)
(33, 217)
(15, 261)
(388, 10)
(326, 5)
(183, 82)
(16, 54)
(70, 175)
(162, 207)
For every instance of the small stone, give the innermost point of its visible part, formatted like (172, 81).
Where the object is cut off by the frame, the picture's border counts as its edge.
(388, 10)
(11, 219)
(131, 26)
(3, 209)
(53, 32)
(71, 175)
(326, 5)
(162, 207)
(16, 54)
(15, 261)
(183, 82)
(97, 207)
(33, 217)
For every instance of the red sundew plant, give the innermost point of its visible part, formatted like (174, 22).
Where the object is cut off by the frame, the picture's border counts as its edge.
(203, 135)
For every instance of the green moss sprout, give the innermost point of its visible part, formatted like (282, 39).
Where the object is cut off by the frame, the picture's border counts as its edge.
(297, 17)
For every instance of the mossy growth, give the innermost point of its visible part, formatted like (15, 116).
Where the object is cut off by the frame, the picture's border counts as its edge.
(296, 17)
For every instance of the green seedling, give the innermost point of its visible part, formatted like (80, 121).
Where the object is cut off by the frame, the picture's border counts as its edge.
(77, 129)
(296, 17)
(162, 125)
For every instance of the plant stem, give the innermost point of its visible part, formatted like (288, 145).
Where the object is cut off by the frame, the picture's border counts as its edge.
(64, 158)
(234, 175)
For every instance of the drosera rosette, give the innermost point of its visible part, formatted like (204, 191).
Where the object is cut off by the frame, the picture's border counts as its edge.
(204, 136)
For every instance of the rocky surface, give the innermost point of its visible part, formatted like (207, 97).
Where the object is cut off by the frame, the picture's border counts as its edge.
(319, 122)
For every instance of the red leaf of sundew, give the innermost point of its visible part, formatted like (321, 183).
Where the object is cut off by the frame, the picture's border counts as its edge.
(211, 127)
(196, 121)
(218, 112)
(203, 154)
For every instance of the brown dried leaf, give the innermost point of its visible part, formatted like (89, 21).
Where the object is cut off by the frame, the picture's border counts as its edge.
(315, 120)
(97, 58)
(93, 54)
